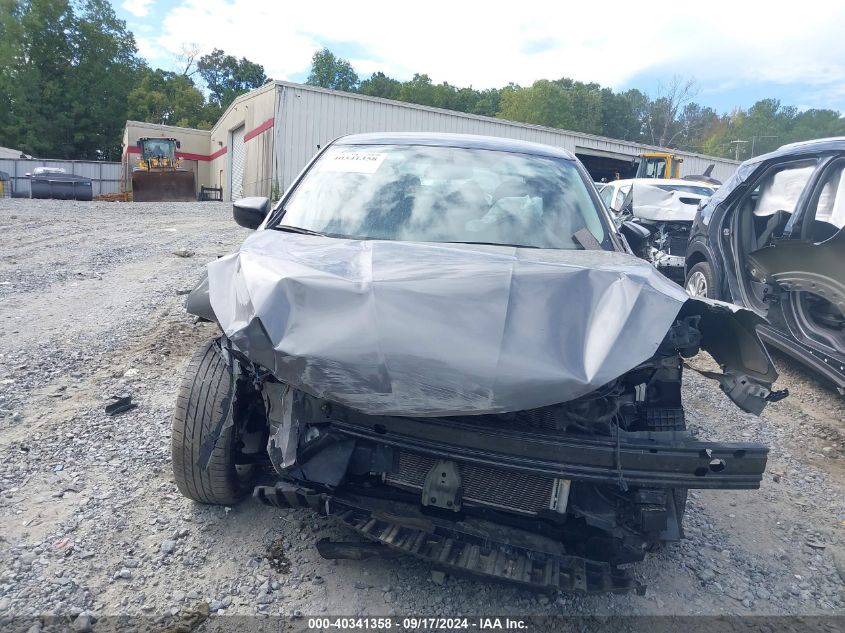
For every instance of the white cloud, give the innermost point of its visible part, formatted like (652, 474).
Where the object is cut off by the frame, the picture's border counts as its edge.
(484, 45)
(147, 48)
(138, 8)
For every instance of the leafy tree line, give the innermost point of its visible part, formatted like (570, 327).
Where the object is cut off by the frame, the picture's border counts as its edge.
(70, 77)
(670, 118)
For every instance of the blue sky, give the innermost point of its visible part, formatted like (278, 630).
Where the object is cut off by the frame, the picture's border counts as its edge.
(737, 54)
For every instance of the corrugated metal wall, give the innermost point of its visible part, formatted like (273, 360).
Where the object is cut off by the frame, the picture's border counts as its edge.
(105, 177)
(308, 117)
(255, 111)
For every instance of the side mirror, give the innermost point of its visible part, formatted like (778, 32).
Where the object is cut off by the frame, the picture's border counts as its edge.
(635, 233)
(250, 212)
(178, 145)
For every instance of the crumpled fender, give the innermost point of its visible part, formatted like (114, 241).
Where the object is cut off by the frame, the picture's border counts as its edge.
(432, 330)
(198, 302)
(729, 334)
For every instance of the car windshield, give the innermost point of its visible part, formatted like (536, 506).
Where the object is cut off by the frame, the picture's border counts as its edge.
(157, 149)
(444, 194)
(651, 167)
(696, 189)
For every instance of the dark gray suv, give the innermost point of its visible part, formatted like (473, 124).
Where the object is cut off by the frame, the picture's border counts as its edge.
(771, 240)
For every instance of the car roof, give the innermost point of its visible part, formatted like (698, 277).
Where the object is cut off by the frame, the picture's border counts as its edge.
(830, 144)
(467, 141)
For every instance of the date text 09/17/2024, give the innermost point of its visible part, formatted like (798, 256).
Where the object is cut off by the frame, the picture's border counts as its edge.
(420, 623)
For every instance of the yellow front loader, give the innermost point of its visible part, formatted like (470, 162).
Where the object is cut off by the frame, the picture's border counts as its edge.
(668, 165)
(659, 165)
(159, 176)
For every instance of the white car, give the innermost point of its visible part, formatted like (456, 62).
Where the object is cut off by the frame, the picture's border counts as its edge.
(614, 192)
(666, 209)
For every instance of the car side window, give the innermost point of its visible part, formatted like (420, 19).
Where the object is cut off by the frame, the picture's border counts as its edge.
(828, 209)
(780, 189)
(763, 213)
(607, 195)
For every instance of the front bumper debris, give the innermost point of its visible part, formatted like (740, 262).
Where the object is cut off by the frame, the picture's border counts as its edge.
(662, 459)
(479, 548)
(662, 259)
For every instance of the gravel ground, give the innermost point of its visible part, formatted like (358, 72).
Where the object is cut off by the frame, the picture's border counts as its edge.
(91, 521)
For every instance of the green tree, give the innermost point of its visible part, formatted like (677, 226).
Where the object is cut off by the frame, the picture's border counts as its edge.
(168, 98)
(422, 91)
(11, 56)
(816, 124)
(106, 57)
(562, 104)
(622, 114)
(584, 105)
(694, 122)
(541, 104)
(38, 121)
(65, 73)
(380, 85)
(227, 77)
(328, 71)
(716, 141)
(419, 89)
(488, 102)
(766, 125)
(445, 95)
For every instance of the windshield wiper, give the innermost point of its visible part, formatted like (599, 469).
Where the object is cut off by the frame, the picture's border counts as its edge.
(494, 244)
(297, 229)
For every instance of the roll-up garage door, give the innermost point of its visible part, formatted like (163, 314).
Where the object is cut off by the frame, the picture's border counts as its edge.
(238, 162)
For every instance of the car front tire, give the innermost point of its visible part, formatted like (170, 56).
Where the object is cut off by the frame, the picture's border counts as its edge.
(700, 281)
(203, 403)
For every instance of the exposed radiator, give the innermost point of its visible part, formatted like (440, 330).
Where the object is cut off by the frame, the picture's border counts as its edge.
(678, 244)
(482, 485)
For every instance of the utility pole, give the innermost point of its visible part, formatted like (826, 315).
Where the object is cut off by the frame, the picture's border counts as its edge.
(737, 143)
(754, 139)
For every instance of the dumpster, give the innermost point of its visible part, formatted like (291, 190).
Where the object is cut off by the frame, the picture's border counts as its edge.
(56, 183)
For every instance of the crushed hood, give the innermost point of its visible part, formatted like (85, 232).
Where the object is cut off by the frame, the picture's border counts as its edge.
(399, 328)
(650, 202)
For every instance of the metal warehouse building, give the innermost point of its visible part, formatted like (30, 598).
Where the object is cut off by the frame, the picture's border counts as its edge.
(267, 136)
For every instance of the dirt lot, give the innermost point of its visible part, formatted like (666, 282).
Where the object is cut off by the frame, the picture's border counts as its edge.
(91, 521)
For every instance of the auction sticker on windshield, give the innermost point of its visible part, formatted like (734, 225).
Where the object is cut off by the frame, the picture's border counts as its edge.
(356, 162)
(352, 162)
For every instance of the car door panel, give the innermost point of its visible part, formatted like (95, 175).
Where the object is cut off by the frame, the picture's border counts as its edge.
(805, 269)
(803, 265)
